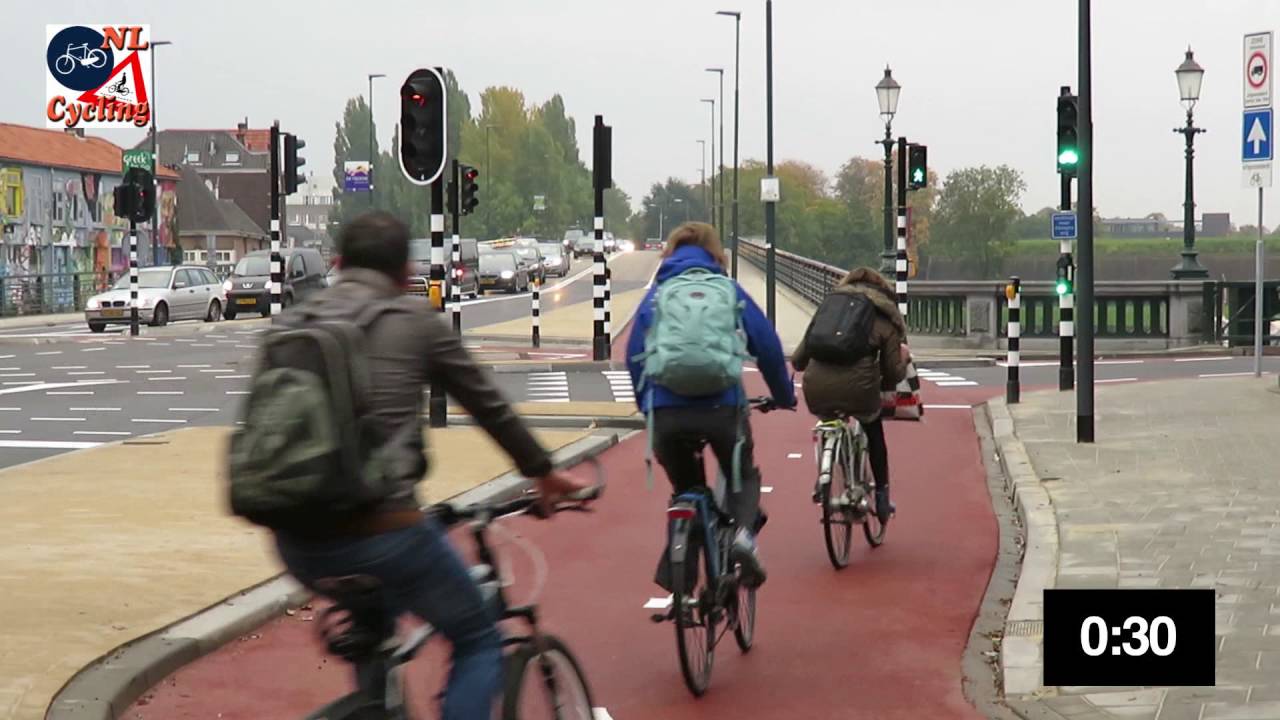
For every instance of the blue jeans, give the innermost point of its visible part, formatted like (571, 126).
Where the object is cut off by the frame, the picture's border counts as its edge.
(423, 575)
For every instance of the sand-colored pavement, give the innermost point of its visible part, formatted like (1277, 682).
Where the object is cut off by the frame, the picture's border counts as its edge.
(102, 546)
(793, 312)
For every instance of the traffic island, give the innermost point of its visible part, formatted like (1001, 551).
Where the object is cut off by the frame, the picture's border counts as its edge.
(103, 547)
(1180, 491)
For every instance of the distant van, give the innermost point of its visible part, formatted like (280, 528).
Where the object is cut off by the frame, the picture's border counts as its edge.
(465, 272)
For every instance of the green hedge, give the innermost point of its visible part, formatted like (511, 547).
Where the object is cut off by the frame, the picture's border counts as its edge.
(1150, 246)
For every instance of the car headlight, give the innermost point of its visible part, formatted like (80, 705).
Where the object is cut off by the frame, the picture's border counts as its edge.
(92, 304)
(507, 274)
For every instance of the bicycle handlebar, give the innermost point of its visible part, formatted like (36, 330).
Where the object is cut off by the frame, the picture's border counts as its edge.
(449, 514)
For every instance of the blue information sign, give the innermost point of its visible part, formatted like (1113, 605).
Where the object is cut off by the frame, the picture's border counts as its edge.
(1064, 226)
(1257, 135)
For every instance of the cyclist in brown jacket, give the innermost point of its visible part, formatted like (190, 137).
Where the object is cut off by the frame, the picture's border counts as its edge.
(854, 389)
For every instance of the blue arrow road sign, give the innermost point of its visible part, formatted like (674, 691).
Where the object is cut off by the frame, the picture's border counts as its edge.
(1064, 226)
(1257, 135)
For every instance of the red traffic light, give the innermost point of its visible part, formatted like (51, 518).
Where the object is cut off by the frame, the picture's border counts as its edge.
(471, 174)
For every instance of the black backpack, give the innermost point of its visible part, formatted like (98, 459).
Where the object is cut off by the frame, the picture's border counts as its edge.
(840, 332)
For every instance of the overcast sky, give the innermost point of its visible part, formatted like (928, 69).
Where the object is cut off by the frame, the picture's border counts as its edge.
(979, 77)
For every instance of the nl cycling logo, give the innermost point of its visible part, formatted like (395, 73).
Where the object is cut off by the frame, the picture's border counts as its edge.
(97, 76)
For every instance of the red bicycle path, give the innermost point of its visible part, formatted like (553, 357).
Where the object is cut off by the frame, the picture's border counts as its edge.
(882, 638)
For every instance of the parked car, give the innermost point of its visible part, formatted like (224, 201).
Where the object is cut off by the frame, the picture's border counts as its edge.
(554, 260)
(527, 252)
(502, 271)
(185, 292)
(464, 272)
(248, 287)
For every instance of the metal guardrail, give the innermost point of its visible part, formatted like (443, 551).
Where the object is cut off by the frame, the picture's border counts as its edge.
(50, 293)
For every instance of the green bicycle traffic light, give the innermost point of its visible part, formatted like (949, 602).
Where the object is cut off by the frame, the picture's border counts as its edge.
(1068, 140)
(1065, 280)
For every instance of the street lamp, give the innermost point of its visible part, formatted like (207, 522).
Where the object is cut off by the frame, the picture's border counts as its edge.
(371, 135)
(702, 172)
(680, 201)
(488, 180)
(720, 225)
(711, 209)
(737, 35)
(887, 91)
(155, 163)
(1189, 75)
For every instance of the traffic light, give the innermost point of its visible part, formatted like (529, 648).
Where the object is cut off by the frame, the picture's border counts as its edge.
(1066, 281)
(1068, 141)
(917, 167)
(135, 197)
(293, 178)
(469, 189)
(422, 126)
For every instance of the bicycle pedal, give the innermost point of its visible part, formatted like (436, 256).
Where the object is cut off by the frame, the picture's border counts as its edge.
(657, 618)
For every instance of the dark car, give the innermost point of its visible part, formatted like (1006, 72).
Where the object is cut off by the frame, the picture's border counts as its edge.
(555, 261)
(584, 246)
(502, 271)
(529, 254)
(465, 272)
(571, 238)
(248, 289)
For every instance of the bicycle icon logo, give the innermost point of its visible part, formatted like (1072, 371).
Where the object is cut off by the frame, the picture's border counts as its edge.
(82, 54)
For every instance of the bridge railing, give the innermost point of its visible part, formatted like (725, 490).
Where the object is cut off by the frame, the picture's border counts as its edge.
(50, 293)
(1160, 313)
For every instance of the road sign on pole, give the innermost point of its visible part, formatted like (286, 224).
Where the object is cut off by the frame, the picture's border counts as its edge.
(1064, 226)
(1257, 135)
(1257, 70)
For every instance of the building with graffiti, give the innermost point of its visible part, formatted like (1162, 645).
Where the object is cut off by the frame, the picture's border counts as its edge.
(56, 209)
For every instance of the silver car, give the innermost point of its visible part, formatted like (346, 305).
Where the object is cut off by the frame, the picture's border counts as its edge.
(185, 292)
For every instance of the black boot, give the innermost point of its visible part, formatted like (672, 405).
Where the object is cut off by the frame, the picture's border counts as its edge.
(884, 508)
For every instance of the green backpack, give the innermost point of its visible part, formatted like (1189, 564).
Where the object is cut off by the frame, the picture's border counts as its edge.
(696, 346)
(307, 451)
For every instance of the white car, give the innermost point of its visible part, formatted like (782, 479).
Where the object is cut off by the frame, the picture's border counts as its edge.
(184, 292)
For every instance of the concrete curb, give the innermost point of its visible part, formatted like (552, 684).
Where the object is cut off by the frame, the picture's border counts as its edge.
(625, 422)
(1022, 648)
(107, 687)
(557, 366)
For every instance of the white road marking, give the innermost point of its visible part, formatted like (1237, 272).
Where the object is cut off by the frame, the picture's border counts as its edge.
(56, 419)
(948, 407)
(166, 377)
(237, 392)
(959, 382)
(21, 374)
(1216, 358)
(132, 367)
(248, 347)
(67, 367)
(231, 377)
(1230, 374)
(10, 432)
(203, 345)
(794, 456)
(22, 382)
(87, 372)
(10, 409)
(159, 392)
(658, 603)
(152, 372)
(187, 340)
(1118, 362)
(69, 392)
(50, 352)
(193, 366)
(89, 409)
(31, 387)
(102, 432)
(6, 357)
(46, 445)
(1116, 380)
(766, 488)
(599, 713)
(93, 349)
(163, 421)
(194, 409)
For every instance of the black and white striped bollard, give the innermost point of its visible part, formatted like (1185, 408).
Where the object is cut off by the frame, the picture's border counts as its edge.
(608, 307)
(277, 272)
(133, 278)
(900, 262)
(601, 343)
(537, 313)
(1013, 292)
(455, 285)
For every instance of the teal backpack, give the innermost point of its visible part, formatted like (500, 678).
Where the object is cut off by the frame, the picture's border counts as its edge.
(696, 345)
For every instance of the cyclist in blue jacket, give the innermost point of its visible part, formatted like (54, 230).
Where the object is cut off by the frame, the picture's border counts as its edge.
(682, 424)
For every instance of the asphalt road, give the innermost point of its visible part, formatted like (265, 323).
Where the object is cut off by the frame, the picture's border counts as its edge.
(1044, 374)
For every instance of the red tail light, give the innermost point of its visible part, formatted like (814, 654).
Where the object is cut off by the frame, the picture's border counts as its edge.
(458, 273)
(680, 512)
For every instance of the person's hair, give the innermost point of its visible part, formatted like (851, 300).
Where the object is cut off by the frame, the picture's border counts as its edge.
(698, 234)
(867, 276)
(375, 241)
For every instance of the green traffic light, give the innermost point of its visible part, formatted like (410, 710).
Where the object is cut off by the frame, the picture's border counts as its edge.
(1069, 156)
(1063, 287)
(918, 176)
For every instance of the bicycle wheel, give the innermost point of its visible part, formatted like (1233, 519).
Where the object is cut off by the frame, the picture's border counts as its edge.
(556, 689)
(836, 524)
(744, 627)
(695, 621)
(872, 527)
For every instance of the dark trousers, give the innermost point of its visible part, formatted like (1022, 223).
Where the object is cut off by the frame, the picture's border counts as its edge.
(678, 436)
(878, 451)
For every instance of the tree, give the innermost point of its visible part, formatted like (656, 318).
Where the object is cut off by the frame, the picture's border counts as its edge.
(976, 214)
(1034, 226)
(351, 142)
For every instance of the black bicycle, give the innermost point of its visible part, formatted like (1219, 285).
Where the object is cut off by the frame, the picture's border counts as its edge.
(359, 629)
(710, 598)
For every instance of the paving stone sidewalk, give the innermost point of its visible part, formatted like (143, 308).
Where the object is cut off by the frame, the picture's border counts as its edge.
(1181, 490)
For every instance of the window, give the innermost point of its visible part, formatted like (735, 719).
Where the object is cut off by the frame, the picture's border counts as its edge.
(59, 206)
(295, 267)
(208, 277)
(232, 157)
(11, 192)
(223, 256)
(193, 158)
(192, 256)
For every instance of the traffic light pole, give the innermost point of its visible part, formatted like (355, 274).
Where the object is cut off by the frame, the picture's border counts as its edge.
(770, 207)
(1084, 394)
(455, 289)
(133, 278)
(1066, 308)
(277, 272)
(437, 406)
(900, 262)
(601, 171)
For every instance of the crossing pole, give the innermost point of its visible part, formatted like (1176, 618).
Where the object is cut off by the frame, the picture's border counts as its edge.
(1013, 387)
(277, 271)
(900, 263)
(1066, 306)
(455, 287)
(133, 277)
(437, 408)
(602, 177)
(537, 312)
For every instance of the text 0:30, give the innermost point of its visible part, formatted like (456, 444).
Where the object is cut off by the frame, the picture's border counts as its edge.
(1159, 636)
